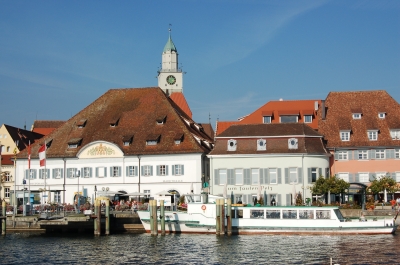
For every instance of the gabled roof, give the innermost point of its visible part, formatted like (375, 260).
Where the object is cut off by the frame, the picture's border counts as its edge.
(45, 127)
(6, 160)
(276, 136)
(274, 109)
(138, 110)
(208, 129)
(339, 107)
(22, 136)
(221, 126)
(180, 100)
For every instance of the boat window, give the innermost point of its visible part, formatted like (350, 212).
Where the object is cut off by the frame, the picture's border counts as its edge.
(339, 214)
(289, 214)
(273, 214)
(306, 214)
(239, 213)
(323, 214)
(257, 214)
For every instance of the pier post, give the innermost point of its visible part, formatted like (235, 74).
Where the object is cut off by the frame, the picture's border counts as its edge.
(98, 219)
(96, 210)
(162, 217)
(229, 217)
(155, 225)
(4, 220)
(222, 217)
(107, 217)
(151, 216)
(217, 216)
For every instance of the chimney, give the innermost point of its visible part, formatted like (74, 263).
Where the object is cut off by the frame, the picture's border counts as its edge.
(323, 110)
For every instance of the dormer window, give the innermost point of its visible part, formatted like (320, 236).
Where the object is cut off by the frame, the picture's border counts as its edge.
(293, 143)
(127, 140)
(345, 136)
(373, 135)
(395, 134)
(153, 139)
(161, 120)
(261, 145)
(307, 118)
(81, 123)
(114, 122)
(267, 116)
(357, 116)
(178, 138)
(232, 145)
(381, 115)
(74, 143)
(267, 119)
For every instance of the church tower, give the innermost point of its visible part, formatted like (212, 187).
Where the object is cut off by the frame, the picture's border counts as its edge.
(170, 77)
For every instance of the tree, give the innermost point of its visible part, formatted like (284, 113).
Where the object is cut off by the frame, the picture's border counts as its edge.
(333, 185)
(384, 183)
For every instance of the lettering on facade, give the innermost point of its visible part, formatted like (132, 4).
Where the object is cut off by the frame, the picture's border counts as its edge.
(266, 188)
(100, 151)
(174, 180)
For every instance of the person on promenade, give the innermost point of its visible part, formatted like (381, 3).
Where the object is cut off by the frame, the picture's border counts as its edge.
(362, 218)
(393, 203)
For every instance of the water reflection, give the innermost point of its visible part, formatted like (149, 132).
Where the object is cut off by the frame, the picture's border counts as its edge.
(198, 249)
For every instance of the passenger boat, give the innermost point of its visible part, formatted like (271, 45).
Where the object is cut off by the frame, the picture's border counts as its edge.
(201, 218)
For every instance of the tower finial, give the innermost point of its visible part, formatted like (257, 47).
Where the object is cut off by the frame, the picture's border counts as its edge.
(169, 28)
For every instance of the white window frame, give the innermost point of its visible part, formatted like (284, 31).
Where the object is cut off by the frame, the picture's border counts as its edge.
(307, 118)
(363, 177)
(261, 145)
(362, 154)
(223, 176)
(7, 176)
(314, 172)
(398, 176)
(7, 192)
(146, 170)
(86, 172)
(151, 142)
(381, 115)
(273, 172)
(232, 143)
(267, 119)
(239, 176)
(343, 155)
(163, 170)
(372, 135)
(357, 116)
(396, 153)
(147, 193)
(344, 176)
(57, 196)
(380, 154)
(178, 170)
(293, 178)
(131, 171)
(345, 136)
(280, 118)
(395, 134)
(255, 176)
(379, 175)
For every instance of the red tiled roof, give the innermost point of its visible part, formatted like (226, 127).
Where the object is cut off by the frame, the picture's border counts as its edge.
(45, 127)
(180, 100)
(223, 125)
(338, 110)
(6, 160)
(138, 110)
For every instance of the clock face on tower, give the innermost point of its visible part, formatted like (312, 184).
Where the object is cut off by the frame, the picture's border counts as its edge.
(171, 79)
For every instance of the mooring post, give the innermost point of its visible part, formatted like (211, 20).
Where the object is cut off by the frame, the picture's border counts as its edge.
(162, 217)
(107, 217)
(229, 217)
(155, 219)
(151, 216)
(217, 222)
(98, 220)
(4, 220)
(96, 210)
(222, 218)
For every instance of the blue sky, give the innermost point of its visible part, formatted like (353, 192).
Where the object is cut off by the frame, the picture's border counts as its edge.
(56, 57)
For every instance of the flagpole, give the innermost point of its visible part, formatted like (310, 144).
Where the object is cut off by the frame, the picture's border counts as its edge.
(45, 172)
(29, 177)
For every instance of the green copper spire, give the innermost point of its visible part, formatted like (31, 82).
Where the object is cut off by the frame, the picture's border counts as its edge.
(170, 46)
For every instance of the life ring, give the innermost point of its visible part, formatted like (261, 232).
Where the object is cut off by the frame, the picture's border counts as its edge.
(203, 207)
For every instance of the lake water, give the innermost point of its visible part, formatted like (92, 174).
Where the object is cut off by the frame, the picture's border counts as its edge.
(198, 249)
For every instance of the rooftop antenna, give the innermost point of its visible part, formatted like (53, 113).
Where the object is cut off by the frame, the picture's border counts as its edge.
(25, 125)
(209, 117)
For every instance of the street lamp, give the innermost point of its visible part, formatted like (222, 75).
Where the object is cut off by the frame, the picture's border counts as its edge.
(139, 157)
(95, 191)
(77, 174)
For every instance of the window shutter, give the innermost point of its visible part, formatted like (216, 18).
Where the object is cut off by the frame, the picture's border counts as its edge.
(371, 177)
(173, 170)
(309, 175)
(300, 173)
(54, 173)
(231, 177)
(105, 171)
(84, 192)
(351, 177)
(247, 176)
(261, 181)
(279, 202)
(356, 154)
(127, 171)
(97, 172)
(26, 173)
(62, 173)
(119, 171)
(394, 176)
(327, 173)
(216, 176)
(357, 177)
(371, 154)
(166, 170)
(183, 169)
(151, 170)
(319, 172)
(142, 170)
(111, 172)
(279, 176)
(266, 176)
(288, 199)
(250, 199)
(34, 173)
(266, 199)
(389, 153)
(336, 156)
(158, 171)
(47, 173)
(286, 175)
(136, 169)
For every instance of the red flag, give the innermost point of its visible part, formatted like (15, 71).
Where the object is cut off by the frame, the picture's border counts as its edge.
(29, 155)
(42, 155)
